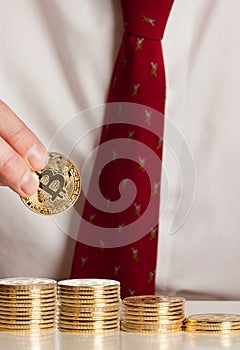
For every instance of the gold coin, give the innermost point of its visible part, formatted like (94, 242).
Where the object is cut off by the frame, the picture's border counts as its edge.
(152, 325)
(143, 319)
(189, 329)
(90, 316)
(160, 330)
(216, 318)
(149, 326)
(89, 283)
(88, 308)
(212, 331)
(28, 303)
(88, 326)
(153, 331)
(89, 296)
(75, 320)
(23, 321)
(17, 323)
(27, 315)
(213, 325)
(88, 288)
(27, 283)
(32, 301)
(30, 292)
(89, 291)
(80, 300)
(59, 186)
(88, 331)
(154, 300)
(85, 323)
(156, 309)
(29, 331)
(89, 313)
(21, 326)
(152, 306)
(135, 314)
(25, 305)
(28, 299)
(93, 325)
(153, 311)
(24, 298)
(84, 302)
(28, 309)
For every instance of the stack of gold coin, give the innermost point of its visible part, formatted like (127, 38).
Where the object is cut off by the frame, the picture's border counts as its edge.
(153, 314)
(213, 323)
(89, 305)
(27, 304)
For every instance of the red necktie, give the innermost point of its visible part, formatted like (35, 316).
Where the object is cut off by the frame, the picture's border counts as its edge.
(138, 77)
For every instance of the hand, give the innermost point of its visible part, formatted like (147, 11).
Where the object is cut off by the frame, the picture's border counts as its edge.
(21, 153)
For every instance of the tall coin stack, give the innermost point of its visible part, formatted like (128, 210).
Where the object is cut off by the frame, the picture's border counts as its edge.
(27, 304)
(89, 305)
(213, 323)
(153, 314)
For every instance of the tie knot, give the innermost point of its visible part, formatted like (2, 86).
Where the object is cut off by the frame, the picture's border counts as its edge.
(146, 18)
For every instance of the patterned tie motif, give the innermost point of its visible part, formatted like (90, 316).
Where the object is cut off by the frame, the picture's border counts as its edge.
(138, 77)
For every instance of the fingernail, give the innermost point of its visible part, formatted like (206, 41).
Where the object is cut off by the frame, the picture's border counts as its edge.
(29, 183)
(37, 157)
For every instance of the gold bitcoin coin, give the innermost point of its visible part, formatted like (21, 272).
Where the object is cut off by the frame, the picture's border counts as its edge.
(151, 331)
(219, 318)
(87, 331)
(27, 283)
(146, 320)
(59, 186)
(126, 327)
(151, 301)
(7, 328)
(136, 313)
(152, 309)
(89, 284)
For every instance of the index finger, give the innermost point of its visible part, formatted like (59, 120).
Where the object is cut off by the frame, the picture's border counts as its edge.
(15, 132)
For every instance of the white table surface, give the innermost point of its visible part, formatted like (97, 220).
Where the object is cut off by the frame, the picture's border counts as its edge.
(127, 341)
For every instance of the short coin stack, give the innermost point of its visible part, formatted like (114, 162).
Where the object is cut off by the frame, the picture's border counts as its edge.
(153, 314)
(213, 323)
(89, 305)
(28, 304)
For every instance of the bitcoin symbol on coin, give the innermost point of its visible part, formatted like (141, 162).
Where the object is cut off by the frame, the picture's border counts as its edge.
(59, 186)
(56, 179)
